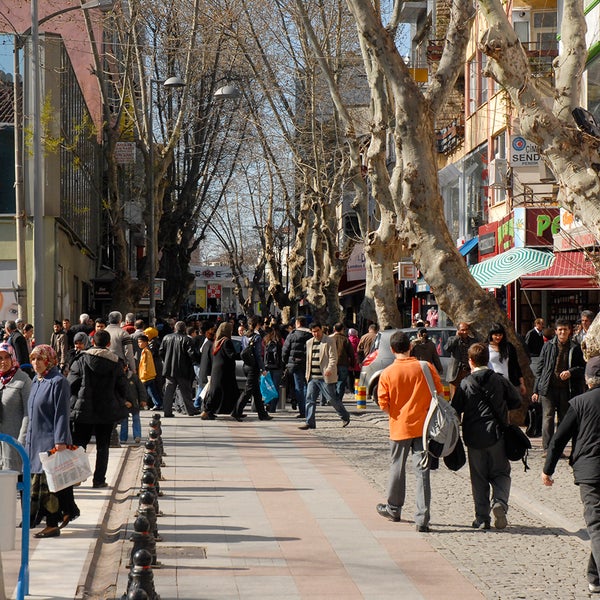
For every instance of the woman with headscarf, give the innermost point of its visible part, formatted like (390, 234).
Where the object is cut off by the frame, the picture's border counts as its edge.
(223, 391)
(503, 357)
(48, 429)
(14, 393)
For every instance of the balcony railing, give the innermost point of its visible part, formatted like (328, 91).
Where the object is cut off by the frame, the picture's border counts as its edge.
(451, 136)
(540, 57)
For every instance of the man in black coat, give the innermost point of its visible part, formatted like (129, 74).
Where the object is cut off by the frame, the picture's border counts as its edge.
(294, 357)
(98, 393)
(457, 347)
(558, 377)
(534, 338)
(16, 339)
(482, 398)
(178, 356)
(582, 424)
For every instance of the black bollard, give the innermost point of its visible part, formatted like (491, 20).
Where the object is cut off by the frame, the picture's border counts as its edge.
(146, 509)
(143, 539)
(137, 595)
(141, 577)
(149, 485)
(155, 437)
(150, 465)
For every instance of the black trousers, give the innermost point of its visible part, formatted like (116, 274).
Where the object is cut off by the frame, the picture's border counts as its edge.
(252, 390)
(82, 433)
(590, 496)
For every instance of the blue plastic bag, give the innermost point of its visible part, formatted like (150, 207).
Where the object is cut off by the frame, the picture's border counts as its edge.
(267, 388)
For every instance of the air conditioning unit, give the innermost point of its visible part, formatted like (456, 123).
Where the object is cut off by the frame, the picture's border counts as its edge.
(498, 173)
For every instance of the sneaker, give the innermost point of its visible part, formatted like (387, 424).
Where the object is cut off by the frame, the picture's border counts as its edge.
(499, 513)
(594, 588)
(345, 422)
(423, 528)
(480, 524)
(101, 484)
(137, 440)
(382, 510)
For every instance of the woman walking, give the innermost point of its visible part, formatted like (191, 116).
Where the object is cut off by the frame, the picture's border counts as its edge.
(48, 429)
(503, 357)
(223, 390)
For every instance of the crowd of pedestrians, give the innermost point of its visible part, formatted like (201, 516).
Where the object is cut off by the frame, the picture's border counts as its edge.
(96, 376)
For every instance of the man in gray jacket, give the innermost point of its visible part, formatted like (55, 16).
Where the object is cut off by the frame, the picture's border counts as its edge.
(120, 341)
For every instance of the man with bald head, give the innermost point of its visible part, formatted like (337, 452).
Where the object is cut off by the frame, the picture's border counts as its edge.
(458, 348)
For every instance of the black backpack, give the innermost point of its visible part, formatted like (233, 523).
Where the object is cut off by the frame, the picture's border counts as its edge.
(247, 354)
(273, 355)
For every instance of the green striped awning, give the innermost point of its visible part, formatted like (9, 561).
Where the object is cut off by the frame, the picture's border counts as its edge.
(510, 265)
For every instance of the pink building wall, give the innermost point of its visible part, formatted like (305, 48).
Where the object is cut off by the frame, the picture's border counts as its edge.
(15, 16)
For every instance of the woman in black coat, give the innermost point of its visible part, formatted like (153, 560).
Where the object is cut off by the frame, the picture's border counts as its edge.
(223, 391)
(503, 357)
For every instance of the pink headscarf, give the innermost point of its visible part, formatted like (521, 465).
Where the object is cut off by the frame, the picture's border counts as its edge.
(47, 354)
(9, 374)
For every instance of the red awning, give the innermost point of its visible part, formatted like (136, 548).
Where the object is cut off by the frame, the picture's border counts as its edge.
(570, 271)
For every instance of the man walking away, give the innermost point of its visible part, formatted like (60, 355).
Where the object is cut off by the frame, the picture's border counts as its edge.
(403, 393)
(582, 424)
(366, 342)
(177, 354)
(294, 357)
(482, 398)
(321, 376)
(345, 359)
(120, 341)
(98, 392)
(558, 377)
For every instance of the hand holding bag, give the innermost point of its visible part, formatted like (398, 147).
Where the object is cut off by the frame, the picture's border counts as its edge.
(65, 467)
(267, 388)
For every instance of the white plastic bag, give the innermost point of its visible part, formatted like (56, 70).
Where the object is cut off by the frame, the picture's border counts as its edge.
(65, 468)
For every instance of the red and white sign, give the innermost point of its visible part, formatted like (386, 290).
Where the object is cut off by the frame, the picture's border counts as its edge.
(213, 290)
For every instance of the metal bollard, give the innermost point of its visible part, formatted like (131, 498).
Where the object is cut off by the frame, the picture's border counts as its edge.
(141, 578)
(143, 539)
(146, 509)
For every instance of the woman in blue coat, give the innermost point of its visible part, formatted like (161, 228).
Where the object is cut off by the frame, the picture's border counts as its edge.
(48, 429)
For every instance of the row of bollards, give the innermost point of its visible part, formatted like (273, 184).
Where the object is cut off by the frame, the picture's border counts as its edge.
(142, 558)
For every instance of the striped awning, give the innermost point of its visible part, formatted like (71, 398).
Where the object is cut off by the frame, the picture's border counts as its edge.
(570, 271)
(510, 265)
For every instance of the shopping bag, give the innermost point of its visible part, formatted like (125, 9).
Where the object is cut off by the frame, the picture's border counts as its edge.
(65, 468)
(267, 388)
(205, 389)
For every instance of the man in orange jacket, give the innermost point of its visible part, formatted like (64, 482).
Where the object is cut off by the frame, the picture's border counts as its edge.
(404, 395)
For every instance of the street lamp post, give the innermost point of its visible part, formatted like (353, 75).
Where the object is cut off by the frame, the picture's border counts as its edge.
(171, 82)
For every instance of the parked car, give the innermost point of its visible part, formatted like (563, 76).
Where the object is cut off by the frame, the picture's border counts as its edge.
(381, 356)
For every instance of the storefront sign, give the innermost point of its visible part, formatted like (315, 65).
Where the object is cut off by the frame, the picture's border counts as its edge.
(572, 234)
(216, 272)
(355, 267)
(407, 271)
(487, 239)
(523, 153)
(506, 233)
(213, 290)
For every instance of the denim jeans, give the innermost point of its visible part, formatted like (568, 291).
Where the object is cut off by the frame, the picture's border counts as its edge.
(300, 389)
(342, 382)
(318, 386)
(136, 426)
(153, 394)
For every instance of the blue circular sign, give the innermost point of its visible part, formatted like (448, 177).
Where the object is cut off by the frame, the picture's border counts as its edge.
(519, 144)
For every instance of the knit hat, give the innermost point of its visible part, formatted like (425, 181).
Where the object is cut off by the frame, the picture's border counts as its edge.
(80, 337)
(592, 369)
(151, 332)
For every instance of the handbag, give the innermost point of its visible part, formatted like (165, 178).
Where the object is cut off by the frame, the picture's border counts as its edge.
(516, 443)
(65, 468)
(268, 389)
(457, 459)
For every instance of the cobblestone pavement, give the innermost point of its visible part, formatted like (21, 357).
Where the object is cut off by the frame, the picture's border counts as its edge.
(542, 554)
